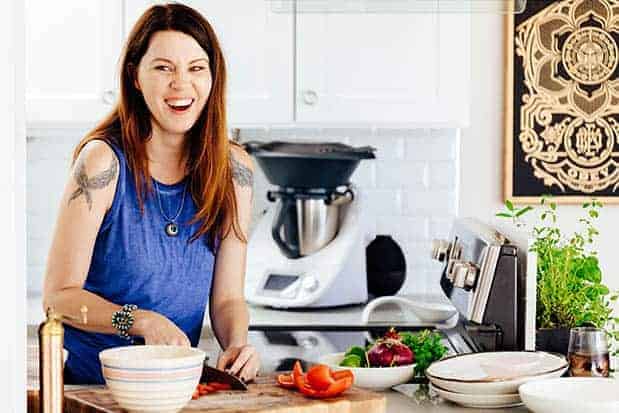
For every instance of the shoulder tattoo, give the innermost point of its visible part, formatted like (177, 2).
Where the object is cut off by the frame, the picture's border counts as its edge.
(241, 174)
(86, 184)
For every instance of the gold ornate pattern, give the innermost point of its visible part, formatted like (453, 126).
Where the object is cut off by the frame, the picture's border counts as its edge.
(568, 124)
(590, 55)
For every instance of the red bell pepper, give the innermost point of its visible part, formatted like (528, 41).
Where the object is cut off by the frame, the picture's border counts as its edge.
(319, 377)
(338, 386)
(286, 381)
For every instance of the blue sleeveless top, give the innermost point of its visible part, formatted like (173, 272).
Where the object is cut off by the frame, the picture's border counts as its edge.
(135, 262)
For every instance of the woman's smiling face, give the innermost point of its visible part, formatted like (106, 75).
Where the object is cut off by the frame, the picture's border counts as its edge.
(175, 80)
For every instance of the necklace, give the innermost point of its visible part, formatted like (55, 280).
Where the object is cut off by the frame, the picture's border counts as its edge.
(171, 227)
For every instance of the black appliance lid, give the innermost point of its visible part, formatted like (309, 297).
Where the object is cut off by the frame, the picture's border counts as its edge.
(309, 150)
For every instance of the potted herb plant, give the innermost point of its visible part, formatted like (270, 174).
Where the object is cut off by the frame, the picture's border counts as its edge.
(570, 292)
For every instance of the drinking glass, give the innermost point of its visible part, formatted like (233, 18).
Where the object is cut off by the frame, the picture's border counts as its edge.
(588, 352)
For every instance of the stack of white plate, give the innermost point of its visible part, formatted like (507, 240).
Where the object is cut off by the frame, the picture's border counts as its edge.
(491, 380)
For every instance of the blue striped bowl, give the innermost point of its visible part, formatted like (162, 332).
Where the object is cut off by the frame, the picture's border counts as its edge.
(154, 379)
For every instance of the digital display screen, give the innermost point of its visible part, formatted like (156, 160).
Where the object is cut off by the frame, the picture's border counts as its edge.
(278, 282)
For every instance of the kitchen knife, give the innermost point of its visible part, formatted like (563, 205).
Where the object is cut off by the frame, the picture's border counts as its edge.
(212, 374)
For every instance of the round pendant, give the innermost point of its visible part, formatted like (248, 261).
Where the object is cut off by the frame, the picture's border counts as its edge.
(171, 229)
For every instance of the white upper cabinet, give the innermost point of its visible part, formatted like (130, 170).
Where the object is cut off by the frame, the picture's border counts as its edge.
(258, 45)
(382, 67)
(282, 67)
(72, 50)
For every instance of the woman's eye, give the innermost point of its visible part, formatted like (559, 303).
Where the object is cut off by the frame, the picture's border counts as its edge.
(197, 68)
(163, 68)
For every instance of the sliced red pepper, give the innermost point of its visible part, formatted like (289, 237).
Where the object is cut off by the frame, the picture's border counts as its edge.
(297, 375)
(342, 373)
(286, 381)
(335, 389)
(319, 377)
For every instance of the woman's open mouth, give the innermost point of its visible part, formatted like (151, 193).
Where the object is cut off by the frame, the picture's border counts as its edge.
(179, 105)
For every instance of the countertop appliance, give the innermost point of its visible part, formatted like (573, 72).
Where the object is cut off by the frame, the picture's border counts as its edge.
(308, 250)
(482, 277)
(485, 280)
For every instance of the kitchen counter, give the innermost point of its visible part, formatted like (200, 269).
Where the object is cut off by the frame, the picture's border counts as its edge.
(348, 316)
(396, 401)
(265, 317)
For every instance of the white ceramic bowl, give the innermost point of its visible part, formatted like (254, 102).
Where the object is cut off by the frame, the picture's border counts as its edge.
(480, 401)
(571, 395)
(152, 378)
(426, 311)
(375, 378)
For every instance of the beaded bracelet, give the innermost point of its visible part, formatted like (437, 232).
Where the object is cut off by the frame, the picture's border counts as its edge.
(122, 320)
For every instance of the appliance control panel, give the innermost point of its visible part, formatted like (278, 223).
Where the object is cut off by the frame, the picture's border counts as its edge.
(287, 285)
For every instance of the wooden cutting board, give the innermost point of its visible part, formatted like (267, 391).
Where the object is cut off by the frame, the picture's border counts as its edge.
(263, 396)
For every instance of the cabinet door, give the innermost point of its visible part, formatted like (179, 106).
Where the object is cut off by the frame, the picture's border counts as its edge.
(258, 44)
(72, 48)
(383, 67)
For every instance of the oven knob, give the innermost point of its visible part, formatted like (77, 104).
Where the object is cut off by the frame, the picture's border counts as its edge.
(310, 284)
(464, 275)
(440, 249)
(450, 270)
(459, 274)
(471, 276)
(456, 251)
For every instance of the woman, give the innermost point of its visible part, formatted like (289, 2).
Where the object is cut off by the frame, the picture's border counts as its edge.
(155, 214)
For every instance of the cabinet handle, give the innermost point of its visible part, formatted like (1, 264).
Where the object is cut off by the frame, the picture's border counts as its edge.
(109, 96)
(310, 97)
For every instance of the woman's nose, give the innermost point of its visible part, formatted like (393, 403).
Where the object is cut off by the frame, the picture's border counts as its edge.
(179, 80)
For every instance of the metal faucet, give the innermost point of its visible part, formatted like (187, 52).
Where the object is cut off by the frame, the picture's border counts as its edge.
(51, 363)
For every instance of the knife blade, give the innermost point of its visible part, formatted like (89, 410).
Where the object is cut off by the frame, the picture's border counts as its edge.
(212, 374)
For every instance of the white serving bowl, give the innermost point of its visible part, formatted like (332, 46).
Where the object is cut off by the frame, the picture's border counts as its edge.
(154, 379)
(375, 378)
(571, 395)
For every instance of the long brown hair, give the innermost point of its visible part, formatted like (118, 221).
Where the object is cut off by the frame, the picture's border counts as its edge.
(129, 123)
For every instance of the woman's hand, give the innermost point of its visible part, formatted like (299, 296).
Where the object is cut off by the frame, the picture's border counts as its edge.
(243, 362)
(158, 329)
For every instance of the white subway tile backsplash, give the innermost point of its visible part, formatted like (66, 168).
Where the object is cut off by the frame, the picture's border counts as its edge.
(433, 146)
(401, 174)
(431, 203)
(279, 134)
(383, 201)
(410, 189)
(440, 227)
(405, 228)
(365, 175)
(387, 147)
(442, 175)
(351, 136)
(418, 255)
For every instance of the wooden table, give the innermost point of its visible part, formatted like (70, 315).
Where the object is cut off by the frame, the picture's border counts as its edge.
(263, 396)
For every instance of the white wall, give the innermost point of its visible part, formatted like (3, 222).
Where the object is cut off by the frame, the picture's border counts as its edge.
(481, 187)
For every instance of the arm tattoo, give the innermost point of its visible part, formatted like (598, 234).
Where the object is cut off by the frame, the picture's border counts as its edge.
(87, 184)
(241, 174)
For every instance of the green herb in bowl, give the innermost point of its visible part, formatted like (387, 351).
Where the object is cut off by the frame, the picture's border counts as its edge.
(425, 347)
